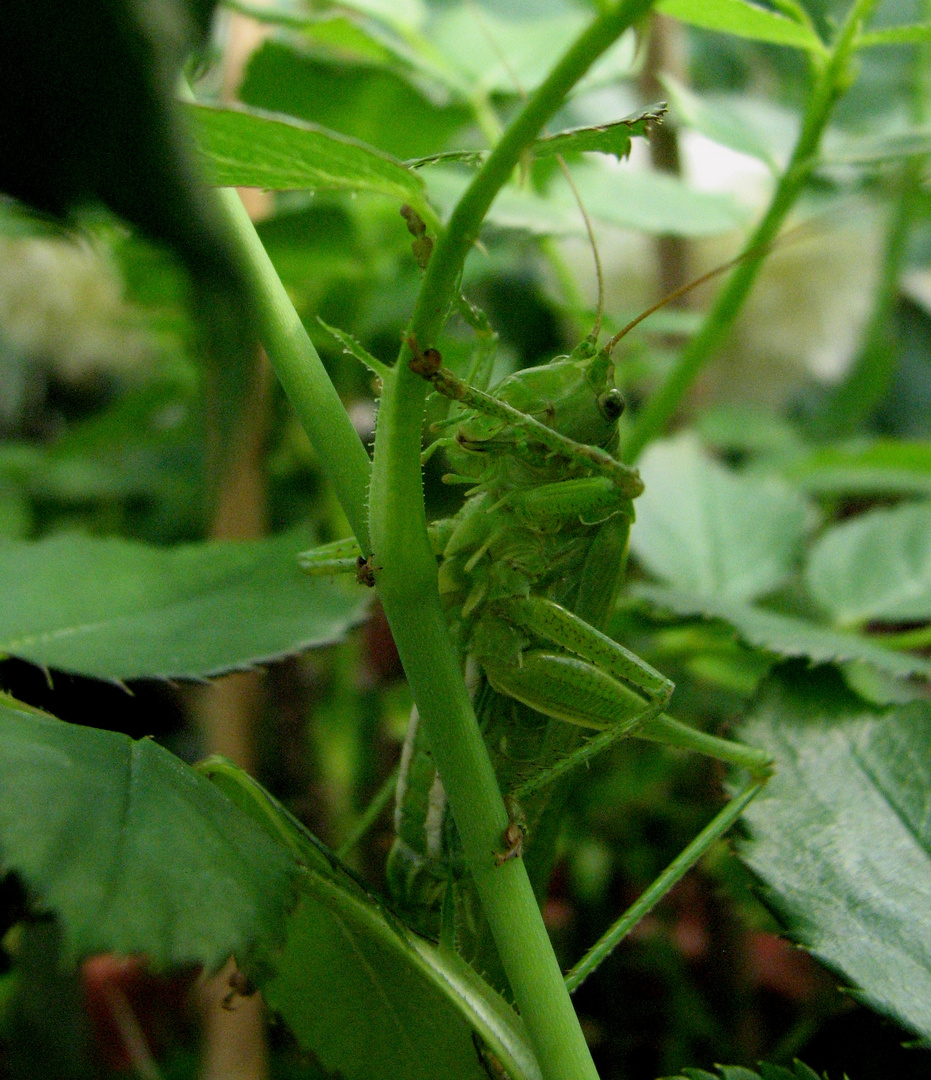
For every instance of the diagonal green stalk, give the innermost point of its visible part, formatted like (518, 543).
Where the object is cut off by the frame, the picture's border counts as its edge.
(300, 370)
(830, 81)
(407, 581)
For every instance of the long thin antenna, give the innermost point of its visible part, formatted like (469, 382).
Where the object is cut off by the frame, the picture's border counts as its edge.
(596, 329)
(684, 290)
(505, 63)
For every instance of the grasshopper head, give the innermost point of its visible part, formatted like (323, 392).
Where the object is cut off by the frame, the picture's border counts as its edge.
(574, 395)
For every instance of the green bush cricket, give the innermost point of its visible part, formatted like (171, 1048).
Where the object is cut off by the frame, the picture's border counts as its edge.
(530, 569)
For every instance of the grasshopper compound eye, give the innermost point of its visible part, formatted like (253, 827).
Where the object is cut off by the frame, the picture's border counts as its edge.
(611, 404)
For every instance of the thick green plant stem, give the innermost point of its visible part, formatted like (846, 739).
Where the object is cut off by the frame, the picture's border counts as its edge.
(407, 580)
(829, 84)
(298, 366)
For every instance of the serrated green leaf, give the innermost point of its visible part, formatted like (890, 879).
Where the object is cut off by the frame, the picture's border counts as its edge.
(613, 138)
(777, 1072)
(132, 850)
(883, 467)
(786, 635)
(115, 609)
(875, 567)
(737, 1072)
(370, 999)
(248, 148)
(842, 838)
(712, 532)
(742, 20)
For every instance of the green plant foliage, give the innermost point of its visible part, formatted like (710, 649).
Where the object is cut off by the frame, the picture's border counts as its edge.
(878, 467)
(132, 850)
(879, 149)
(876, 567)
(719, 121)
(368, 997)
(841, 834)
(656, 204)
(914, 34)
(121, 610)
(743, 20)
(381, 107)
(737, 1072)
(511, 54)
(713, 533)
(247, 149)
(786, 635)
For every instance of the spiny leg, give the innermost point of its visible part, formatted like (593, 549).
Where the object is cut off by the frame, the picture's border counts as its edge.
(669, 877)
(550, 621)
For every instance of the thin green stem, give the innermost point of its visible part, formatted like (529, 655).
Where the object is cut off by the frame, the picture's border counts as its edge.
(829, 83)
(871, 376)
(906, 639)
(371, 814)
(407, 581)
(299, 368)
(297, 364)
(673, 873)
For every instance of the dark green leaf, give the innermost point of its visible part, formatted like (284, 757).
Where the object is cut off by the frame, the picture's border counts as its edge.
(786, 635)
(842, 838)
(372, 1000)
(875, 567)
(380, 107)
(252, 149)
(613, 138)
(120, 610)
(132, 850)
(743, 20)
(712, 532)
(737, 1072)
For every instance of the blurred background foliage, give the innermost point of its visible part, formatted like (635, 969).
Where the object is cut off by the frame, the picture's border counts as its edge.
(106, 400)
